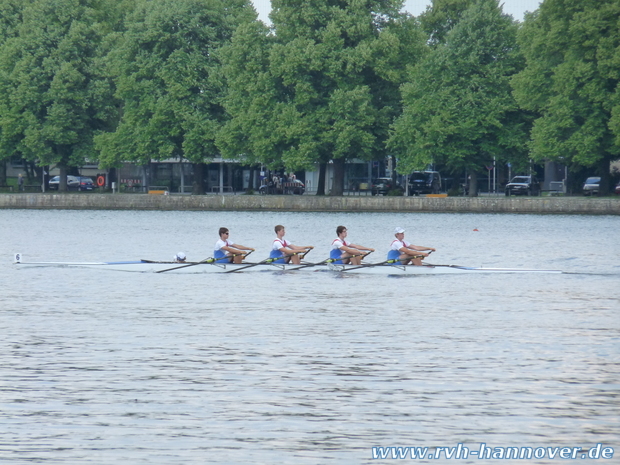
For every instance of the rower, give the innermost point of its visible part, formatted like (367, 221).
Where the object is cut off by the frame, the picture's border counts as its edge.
(180, 258)
(345, 252)
(284, 251)
(404, 251)
(228, 251)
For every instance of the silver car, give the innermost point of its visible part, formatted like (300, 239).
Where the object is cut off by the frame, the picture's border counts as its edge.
(73, 183)
(590, 187)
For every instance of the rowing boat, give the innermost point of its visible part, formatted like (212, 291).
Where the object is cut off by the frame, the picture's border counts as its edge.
(149, 266)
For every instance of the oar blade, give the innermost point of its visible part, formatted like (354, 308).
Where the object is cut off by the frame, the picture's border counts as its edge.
(205, 261)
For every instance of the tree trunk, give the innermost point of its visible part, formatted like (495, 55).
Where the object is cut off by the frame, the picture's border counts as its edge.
(393, 157)
(29, 168)
(251, 180)
(198, 186)
(113, 177)
(320, 189)
(473, 184)
(338, 182)
(604, 169)
(62, 185)
(151, 175)
(39, 177)
(3, 173)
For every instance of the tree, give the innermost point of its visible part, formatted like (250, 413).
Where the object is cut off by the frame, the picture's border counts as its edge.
(323, 87)
(440, 17)
(53, 99)
(572, 51)
(458, 107)
(166, 67)
(10, 21)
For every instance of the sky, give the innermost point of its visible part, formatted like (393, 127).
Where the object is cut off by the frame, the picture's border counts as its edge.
(516, 8)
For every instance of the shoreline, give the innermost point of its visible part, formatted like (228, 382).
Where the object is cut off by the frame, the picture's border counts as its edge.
(308, 203)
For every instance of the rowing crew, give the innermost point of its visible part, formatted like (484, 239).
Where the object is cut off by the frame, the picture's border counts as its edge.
(342, 252)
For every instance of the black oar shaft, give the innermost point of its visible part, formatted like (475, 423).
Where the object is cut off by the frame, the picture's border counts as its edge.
(387, 262)
(205, 261)
(268, 261)
(307, 265)
(329, 260)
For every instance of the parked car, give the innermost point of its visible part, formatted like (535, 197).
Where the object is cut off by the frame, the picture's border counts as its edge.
(523, 185)
(383, 186)
(86, 184)
(617, 190)
(295, 187)
(424, 182)
(591, 186)
(73, 183)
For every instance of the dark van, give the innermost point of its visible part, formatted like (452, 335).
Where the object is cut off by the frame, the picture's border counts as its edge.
(424, 182)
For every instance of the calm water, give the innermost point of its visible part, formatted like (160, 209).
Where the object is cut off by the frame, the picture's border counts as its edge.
(100, 367)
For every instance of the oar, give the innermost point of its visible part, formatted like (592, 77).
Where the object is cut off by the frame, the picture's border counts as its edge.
(387, 262)
(206, 260)
(449, 266)
(364, 255)
(329, 260)
(303, 255)
(266, 261)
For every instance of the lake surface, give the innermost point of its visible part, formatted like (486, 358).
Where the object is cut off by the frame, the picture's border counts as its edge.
(100, 367)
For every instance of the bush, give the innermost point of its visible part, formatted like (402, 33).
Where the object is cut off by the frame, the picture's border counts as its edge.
(454, 192)
(395, 192)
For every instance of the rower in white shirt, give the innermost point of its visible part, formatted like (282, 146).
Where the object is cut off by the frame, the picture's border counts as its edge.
(284, 250)
(405, 252)
(226, 251)
(346, 253)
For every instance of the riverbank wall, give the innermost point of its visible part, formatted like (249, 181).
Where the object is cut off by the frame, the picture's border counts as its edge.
(309, 203)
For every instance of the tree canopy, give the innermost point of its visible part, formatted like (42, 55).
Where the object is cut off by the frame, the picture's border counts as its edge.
(52, 101)
(458, 107)
(441, 16)
(572, 51)
(323, 85)
(331, 81)
(166, 68)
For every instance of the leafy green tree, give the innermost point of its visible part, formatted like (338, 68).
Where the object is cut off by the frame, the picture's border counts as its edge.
(572, 49)
(11, 18)
(323, 87)
(166, 68)
(441, 16)
(52, 99)
(10, 21)
(458, 107)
